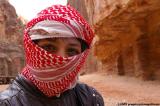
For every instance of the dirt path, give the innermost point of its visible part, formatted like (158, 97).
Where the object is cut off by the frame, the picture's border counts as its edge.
(117, 89)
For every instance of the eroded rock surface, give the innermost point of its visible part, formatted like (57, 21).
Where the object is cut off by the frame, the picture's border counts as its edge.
(11, 34)
(128, 36)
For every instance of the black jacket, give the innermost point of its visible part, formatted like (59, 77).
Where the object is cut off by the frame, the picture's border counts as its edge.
(22, 93)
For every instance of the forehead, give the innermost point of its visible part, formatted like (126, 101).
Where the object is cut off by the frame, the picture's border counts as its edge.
(67, 40)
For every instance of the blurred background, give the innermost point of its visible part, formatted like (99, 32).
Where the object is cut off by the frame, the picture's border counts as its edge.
(124, 63)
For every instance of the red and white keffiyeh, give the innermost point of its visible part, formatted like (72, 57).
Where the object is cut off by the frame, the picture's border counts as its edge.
(54, 74)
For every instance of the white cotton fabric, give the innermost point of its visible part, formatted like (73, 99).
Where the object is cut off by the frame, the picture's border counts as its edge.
(54, 29)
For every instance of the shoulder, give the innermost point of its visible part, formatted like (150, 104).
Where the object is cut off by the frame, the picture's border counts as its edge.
(88, 93)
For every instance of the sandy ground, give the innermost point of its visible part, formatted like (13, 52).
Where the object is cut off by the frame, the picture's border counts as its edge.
(122, 90)
(118, 90)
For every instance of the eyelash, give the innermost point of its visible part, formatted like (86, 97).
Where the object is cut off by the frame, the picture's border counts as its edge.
(72, 51)
(49, 48)
(69, 51)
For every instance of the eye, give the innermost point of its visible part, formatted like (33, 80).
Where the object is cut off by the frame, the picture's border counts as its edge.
(72, 51)
(49, 48)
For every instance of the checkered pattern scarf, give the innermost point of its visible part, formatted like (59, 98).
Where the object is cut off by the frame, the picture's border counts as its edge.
(50, 73)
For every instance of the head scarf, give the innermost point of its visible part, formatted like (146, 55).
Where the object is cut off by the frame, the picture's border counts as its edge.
(50, 73)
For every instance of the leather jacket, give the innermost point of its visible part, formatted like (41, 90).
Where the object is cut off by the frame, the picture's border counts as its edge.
(22, 92)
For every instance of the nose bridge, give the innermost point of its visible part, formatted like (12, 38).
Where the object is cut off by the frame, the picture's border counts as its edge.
(61, 52)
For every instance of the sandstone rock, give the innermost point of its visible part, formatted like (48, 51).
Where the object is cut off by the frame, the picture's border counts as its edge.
(11, 34)
(128, 33)
(11, 59)
(11, 27)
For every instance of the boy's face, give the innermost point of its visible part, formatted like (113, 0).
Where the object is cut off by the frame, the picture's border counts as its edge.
(64, 47)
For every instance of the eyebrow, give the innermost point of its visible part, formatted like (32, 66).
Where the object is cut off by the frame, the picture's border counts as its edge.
(51, 40)
(73, 44)
(55, 39)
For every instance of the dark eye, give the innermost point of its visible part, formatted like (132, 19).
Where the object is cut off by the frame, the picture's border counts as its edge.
(49, 48)
(72, 51)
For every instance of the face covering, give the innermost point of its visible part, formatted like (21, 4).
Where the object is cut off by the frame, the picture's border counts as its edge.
(50, 73)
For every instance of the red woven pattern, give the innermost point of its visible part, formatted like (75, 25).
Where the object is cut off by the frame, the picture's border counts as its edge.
(50, 73)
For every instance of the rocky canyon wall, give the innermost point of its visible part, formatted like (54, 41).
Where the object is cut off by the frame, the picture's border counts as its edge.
(11, 34)
(128, 35)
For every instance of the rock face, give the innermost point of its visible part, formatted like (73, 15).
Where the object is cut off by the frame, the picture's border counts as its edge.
(11, 33)
(11, 59)
(128, 33)
(10, 25)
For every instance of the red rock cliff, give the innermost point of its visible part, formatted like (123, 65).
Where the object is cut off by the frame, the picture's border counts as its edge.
(128, 35)
(11, 34)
